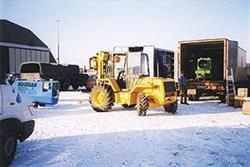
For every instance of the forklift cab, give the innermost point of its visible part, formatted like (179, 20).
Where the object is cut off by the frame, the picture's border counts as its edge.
(126, 64)
(145, 61)
(148, 61)
(132, 65)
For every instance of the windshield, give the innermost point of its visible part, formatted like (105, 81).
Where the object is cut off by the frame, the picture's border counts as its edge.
(30, 68)
(138, 64)
(134, 63)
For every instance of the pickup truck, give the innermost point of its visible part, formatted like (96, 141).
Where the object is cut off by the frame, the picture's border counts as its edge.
(15, 122)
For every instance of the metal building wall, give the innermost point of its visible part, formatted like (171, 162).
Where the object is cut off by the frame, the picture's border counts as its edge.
(17, 56)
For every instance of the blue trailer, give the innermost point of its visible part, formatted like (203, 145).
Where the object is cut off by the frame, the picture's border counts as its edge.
(41, 92)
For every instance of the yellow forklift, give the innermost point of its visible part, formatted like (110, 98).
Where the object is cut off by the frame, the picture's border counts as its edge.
(125, 79)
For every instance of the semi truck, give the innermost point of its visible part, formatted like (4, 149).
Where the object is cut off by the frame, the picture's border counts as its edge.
(15, 122)
(210, 65)
(67, 75)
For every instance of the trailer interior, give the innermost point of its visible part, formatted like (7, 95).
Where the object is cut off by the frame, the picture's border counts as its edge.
(191, 52)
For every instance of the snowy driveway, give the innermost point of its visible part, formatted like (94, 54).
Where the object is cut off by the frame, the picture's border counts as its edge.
(71, 134)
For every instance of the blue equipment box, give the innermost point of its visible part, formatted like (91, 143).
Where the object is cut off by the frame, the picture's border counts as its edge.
(41, 92)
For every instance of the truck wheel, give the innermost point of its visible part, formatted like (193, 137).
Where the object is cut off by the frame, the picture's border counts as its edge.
(75, 87)
(142, 104)
(35, 104)
(128, 106)
(193, 97)
(88, 89)
(222, 98)
(65, 85)
(42, 105)
(8, 143)
(171, 108)
(102, 98)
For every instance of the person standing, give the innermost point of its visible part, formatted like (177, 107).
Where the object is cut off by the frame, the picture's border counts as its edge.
(183, 88)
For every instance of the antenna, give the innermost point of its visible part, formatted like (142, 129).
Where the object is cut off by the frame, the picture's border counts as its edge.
(58, 39)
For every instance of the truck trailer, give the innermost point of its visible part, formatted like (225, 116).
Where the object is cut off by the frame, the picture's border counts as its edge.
(209, 65)
(66, 74)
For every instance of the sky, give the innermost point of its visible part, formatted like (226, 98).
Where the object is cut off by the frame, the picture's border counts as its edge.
(87, 27)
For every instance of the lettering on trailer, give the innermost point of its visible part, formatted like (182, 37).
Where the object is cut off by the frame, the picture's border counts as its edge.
(27, 84)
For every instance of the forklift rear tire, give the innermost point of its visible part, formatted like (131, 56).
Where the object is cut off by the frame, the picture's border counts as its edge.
(101, 98)
(142, 104)
(172, 108)
(128, 106)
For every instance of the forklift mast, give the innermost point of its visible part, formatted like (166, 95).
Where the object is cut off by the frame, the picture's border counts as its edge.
(103, 64)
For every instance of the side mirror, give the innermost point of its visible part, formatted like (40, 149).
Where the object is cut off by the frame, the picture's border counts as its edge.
(93, 63)
(10, 79)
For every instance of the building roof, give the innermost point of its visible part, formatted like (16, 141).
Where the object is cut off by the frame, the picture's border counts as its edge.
(14, 33)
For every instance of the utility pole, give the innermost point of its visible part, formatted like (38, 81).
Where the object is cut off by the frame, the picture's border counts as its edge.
(58, 48)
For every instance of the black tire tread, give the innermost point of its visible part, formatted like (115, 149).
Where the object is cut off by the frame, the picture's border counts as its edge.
(4, 159)
(172, 108)
(142, 104)
(109, 98)
(75, 87)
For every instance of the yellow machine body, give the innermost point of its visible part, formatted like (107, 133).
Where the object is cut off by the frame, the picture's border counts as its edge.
(157, 91)
(152, 87)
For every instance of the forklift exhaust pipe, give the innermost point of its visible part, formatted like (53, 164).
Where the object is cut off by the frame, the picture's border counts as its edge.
(158, 70)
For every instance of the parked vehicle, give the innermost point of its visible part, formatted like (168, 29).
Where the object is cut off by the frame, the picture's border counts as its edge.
(67, 75)
(40, 92)
(91, 82)
(207, 64)
(15, 122)
(133, 78)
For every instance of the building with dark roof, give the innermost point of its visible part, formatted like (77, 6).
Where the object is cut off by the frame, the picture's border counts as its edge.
(17, 45)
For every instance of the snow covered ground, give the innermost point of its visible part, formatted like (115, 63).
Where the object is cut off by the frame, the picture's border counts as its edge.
(204, 133)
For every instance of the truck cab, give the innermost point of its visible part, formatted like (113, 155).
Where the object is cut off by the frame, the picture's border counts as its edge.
(15, 122)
